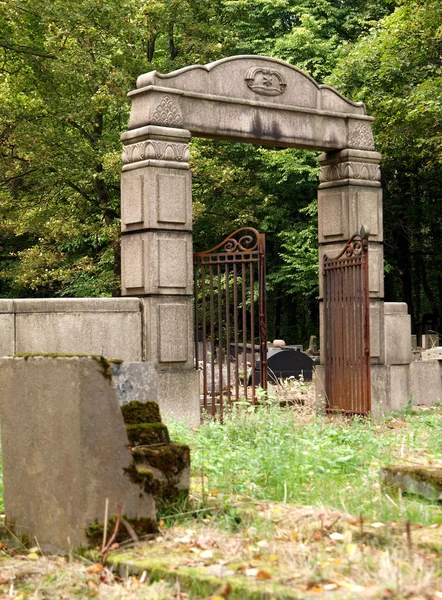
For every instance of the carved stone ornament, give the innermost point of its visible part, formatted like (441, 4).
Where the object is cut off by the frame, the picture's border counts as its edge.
(350, 170)
(167, 114)
(156, 150)
(361, 137)
(267, 82)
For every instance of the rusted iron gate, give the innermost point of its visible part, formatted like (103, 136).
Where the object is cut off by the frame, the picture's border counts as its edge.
(347, 330)
(230, 313)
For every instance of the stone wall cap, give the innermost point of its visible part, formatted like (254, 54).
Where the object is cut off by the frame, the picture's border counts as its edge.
(6, 306)
(349, 154)
(69, 305)
(394, 308)
(155, 132)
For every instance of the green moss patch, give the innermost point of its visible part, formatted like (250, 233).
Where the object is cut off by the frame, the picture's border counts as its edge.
(136, 413)
(168, 458)
(147, 433)
(197, 581)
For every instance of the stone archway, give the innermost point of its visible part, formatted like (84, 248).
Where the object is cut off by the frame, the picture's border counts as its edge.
(243, 98)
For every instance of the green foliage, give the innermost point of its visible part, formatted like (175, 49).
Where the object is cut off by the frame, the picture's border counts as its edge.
(63, 80)
(397, 71)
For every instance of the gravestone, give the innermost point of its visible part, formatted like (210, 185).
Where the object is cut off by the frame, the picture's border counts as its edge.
(66, 453)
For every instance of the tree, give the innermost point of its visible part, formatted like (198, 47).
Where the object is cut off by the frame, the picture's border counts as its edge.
(397, 70)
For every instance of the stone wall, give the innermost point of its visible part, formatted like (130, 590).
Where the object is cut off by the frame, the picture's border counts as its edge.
(105, 326)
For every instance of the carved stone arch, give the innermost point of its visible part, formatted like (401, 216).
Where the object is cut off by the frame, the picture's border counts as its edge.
(254, 99)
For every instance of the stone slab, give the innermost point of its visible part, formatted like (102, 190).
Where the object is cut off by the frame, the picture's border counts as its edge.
(423, 481)
(432, 354)
(76, 305)
(169, 331)
(344, 210)
(114, 334)
(425, 382)
(65, 450)
(176, 391)
(157, 263)
(179, 395)
(156, 198)
(7, 334)
(397, 333)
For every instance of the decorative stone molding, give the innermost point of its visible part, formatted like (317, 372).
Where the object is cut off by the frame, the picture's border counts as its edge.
(267, 82)
(360, 136)
(167, 114)
(350, 170)
(156, 150)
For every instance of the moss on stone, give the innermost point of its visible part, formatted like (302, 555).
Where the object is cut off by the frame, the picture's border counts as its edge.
(141, 475)
(147, 433)
(198, 581)
(168, 458)
(104, 363)
(135, 412)
(141, 526)
(420, 480)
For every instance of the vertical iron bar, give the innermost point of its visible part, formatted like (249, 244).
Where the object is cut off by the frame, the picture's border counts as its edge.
(229, 391)
(195, 308)
(262, 311)
(212, 338)
(235, 323)
(244, 324)
(204, 333)
(220, 344)
(252, 328)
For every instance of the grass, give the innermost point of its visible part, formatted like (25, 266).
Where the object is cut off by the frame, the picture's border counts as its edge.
(281, 500)
(278, 454)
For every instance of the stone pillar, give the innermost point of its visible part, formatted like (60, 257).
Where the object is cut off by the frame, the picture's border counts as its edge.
(156, 258)
(350, 197)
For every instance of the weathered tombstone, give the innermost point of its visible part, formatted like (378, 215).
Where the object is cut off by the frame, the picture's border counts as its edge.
(65, 452)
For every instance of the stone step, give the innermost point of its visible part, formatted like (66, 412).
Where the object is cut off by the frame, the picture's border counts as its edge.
(421, 480)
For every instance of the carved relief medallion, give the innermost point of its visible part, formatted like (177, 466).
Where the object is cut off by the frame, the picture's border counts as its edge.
(167, 114)
(266, 82)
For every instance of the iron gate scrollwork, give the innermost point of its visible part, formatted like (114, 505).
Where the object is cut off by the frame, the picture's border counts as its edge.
(347, 328)
(230, 314)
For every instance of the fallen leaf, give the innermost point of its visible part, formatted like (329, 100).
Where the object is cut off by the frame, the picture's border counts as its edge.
(95, 568)
(263, 544)
(206, 554)
(263, 575)
(336, 536)
(34, 549)
(225, 592)
(377, 525)
(33, 556)
(251, 572)
(273, 558)
(351, 549)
